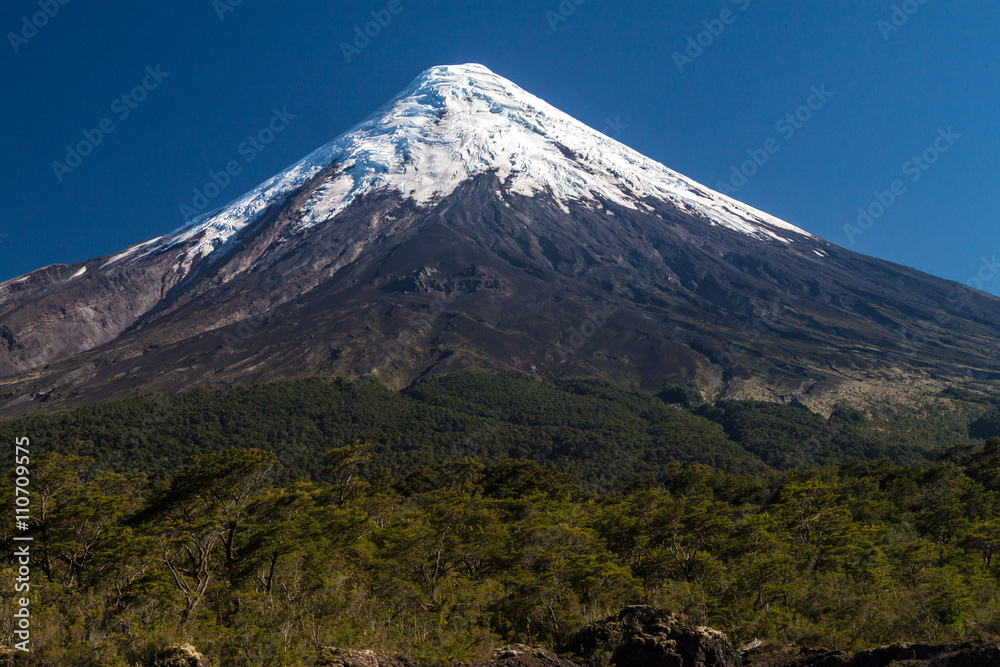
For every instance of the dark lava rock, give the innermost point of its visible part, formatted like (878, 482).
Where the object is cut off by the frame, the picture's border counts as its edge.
(642, 636)
(963, 653)
(916, 654)
(805, 657)
(339, 657)
(946, 654)
(519, 655)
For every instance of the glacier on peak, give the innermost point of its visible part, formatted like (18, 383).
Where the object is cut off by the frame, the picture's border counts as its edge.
(453, 123)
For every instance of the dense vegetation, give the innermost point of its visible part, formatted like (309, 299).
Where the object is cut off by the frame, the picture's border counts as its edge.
(451, 560)
(491, 508)
(602, 436)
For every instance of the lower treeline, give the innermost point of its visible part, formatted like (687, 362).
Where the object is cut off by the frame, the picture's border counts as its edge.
(262, 524)
(450, 560)
(603, 436)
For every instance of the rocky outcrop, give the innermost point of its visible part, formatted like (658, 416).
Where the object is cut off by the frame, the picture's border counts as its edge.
(805, 657)
(519, 655)
(952, 654)
(946, 654)
(648, 637)
(643, 636)
(339, 657)
(183, 655)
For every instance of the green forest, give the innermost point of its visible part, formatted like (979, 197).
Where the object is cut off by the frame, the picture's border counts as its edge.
(450, 561)
(602, 436)
(263, 524)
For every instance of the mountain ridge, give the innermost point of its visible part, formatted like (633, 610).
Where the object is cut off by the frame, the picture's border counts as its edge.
(423, 241)
(382, 147)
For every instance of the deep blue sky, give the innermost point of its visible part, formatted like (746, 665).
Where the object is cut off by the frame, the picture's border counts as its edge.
(892, 92)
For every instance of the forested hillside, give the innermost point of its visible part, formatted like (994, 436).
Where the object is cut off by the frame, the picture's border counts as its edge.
(451, 560)
(602, 436)
(469, 510)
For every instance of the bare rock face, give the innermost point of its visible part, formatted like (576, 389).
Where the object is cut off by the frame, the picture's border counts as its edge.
(183, 655)
(338, 657)
(945, 654)
(952, 654)
(805, 657)
(519, 655)
(641, 636)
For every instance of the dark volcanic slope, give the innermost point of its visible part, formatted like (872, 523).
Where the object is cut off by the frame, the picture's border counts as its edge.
(471, 286)
(624, 279)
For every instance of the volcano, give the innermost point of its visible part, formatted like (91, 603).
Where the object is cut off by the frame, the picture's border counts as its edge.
(468, 224)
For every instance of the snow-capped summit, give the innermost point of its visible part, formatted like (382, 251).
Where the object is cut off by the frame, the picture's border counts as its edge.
(456, 122)
(468, 224)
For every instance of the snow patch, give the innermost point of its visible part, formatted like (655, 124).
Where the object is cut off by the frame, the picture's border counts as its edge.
(452, 124)
(131, 250)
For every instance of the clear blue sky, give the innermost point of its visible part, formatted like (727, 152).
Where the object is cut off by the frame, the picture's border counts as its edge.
(892, 92)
